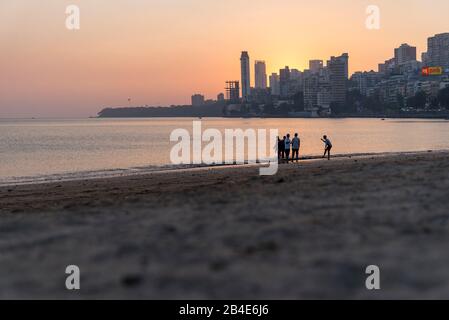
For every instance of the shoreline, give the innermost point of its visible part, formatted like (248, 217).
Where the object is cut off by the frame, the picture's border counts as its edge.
(405, 117)
(360, 116)
(137, 171)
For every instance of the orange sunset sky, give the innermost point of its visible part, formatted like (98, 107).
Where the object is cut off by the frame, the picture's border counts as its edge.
(159, 52)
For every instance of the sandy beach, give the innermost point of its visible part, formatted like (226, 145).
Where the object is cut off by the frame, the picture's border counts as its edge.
(228, 233)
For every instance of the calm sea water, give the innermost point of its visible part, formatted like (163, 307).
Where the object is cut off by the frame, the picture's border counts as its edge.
(36, 150)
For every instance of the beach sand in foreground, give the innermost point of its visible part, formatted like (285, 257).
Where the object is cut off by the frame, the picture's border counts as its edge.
(227, 233)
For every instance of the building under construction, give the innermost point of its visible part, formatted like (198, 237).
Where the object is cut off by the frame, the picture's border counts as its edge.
(233, 91)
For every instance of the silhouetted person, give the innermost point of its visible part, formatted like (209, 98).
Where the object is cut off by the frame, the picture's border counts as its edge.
(296, 143)
(327, 147)
(281, 148)
(287, 144)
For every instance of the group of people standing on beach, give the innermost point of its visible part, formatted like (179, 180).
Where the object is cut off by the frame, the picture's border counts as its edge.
(286, 146)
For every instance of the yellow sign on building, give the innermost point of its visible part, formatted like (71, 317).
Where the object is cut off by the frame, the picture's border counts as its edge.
(432, 71)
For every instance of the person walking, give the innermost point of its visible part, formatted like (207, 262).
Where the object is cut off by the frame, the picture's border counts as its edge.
(296, 144)
(327, 147)
(287, 143)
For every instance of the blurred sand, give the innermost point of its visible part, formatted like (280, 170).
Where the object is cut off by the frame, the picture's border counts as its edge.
(228, 233)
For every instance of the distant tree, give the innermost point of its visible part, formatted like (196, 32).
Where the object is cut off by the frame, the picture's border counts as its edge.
(255, 108)
(269, 109)
(421, 99)
(443, 98)
(418, 101)
(400, 100)
(298, 100)
(434, 103)
(245, 109)
(353, 99)
(373, 104)
(284, 109)
(337, 108)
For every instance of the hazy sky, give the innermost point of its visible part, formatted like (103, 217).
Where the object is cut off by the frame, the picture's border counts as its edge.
(159, 52)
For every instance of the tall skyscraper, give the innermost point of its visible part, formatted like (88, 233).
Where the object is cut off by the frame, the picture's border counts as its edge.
(404, 54)
(315, 66)
(260, 70)
(274, 84)
(245, 70)
(438, 51)
(338, 75)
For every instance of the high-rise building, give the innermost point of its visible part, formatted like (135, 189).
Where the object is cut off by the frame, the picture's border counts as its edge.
(197, 100)
(233, 91)
(245, 75)
(324, 97)
(220, 97)
(296, 82)
(424, 58)
(338, 76)
(274, 84)
(260, 70)
(315, 66)
(324, 74)
(438, 51)
(404, 54)
(311, 83)
(410, 68)
(389, 89)
(364, 81)
(261, 96)
(284, 82)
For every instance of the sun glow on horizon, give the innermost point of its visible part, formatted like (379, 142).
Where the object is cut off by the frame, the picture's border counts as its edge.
(159, 52)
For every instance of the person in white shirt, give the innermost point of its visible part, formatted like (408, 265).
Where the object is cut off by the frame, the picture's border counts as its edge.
(296, 143)
(327, 147)
(288, 143)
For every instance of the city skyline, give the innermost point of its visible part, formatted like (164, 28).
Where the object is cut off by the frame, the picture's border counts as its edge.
(50, 71)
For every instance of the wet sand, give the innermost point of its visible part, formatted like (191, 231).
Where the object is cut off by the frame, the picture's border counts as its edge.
(228, 233)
